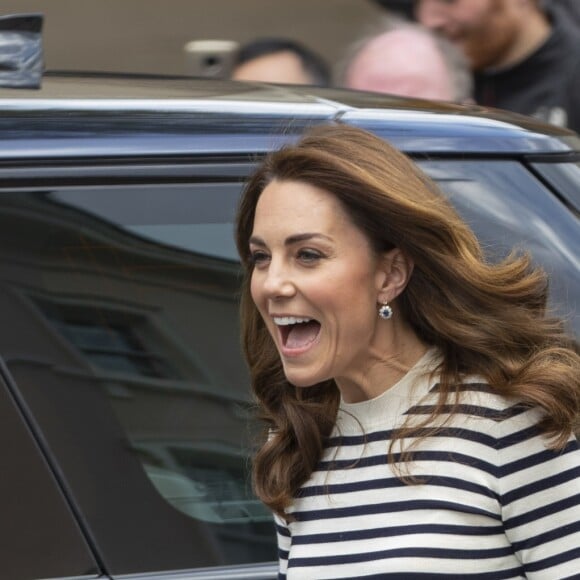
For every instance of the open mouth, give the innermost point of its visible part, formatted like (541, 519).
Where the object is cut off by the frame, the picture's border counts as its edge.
(296, 332)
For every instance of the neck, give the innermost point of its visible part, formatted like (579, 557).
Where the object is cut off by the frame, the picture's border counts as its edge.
(528, 40)
(390, 358)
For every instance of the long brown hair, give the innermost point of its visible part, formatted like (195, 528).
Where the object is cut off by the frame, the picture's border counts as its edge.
(486, 319)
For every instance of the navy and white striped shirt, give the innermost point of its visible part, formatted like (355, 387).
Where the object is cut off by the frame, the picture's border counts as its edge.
(493, 503)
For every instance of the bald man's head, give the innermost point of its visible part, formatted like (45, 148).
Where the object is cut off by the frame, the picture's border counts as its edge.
(409, 61)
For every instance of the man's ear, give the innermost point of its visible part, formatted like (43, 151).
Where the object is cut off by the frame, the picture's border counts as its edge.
(393, 275)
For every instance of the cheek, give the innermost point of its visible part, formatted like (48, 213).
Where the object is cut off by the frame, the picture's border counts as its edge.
(470, 15)
(257, 295)
(255, 289)
(355, 301)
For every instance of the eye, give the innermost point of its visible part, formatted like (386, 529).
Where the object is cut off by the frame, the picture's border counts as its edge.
(309, 256)
(258, 258)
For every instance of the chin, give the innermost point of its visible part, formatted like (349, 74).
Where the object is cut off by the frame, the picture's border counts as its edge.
(301, 380)
(302, 383)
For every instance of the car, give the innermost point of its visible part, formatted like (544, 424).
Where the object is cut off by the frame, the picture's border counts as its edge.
(124, 398)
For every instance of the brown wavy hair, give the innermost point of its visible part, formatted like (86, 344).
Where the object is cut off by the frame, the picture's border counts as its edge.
(487, 319)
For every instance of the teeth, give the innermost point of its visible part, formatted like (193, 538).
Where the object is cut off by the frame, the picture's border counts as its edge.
(286, 320)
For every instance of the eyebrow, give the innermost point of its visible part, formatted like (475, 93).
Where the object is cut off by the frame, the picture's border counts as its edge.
(296, 238)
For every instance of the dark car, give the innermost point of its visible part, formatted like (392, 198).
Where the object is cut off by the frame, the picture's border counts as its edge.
(124, 400)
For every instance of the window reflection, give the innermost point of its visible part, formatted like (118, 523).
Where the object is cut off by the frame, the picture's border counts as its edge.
(565, 177)
(508, 207)
(110, 341)
(119, 310)
(126, 347)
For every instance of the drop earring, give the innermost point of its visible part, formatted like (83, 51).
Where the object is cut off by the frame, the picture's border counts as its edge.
(385, 311)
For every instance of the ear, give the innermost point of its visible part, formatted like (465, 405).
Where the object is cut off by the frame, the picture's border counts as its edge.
(393, 274)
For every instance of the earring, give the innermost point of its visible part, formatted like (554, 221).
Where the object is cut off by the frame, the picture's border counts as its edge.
(385, 311)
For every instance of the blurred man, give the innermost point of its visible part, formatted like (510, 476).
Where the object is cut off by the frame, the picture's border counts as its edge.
(279, 60)
(406, 59)
(568, 8)
(524, 57)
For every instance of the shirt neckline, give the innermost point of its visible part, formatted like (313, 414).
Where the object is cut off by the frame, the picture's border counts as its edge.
(411, 387)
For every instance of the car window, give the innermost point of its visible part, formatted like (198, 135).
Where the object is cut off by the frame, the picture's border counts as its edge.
(121, 334)
(565, 177)
(124, 343)
(508, 207)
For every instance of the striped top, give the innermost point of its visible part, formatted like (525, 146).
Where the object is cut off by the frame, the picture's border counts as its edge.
(493, 502)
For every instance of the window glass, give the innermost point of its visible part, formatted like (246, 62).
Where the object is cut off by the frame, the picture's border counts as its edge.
(120, 328)
(201, 223)
(121, 331)
(113, 342)
(565, 177)
(508, 207)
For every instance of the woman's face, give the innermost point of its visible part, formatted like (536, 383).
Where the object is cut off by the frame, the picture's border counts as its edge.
(316, 282)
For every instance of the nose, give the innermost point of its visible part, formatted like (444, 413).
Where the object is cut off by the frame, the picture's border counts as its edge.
(431, 14)
(277, 282)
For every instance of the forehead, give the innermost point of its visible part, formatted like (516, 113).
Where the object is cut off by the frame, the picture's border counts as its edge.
(284, 207)
(465, 6)
(296, 198)
(401, 55)
(283, 66)
(484, 7)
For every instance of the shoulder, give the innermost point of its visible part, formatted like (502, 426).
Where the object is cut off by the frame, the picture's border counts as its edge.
(478, 407)
(511, 426)
(476, 398)
(565, 14)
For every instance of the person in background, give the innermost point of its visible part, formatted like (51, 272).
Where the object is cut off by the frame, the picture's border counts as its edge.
(525, 55)
(569, 9)
(419, 401)
(407, 59)
(280, 60)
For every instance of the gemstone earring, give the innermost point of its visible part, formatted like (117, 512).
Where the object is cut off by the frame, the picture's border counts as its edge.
(385, 311)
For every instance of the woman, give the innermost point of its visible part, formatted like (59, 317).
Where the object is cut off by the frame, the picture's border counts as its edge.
(419, 402)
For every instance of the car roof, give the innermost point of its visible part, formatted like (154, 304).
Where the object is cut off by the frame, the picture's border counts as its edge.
(86, 115)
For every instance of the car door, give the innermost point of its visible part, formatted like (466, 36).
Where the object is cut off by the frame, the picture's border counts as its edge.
(120, 341)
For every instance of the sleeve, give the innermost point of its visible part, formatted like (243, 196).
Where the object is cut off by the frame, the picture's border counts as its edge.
(540, 497)
(284, 541)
